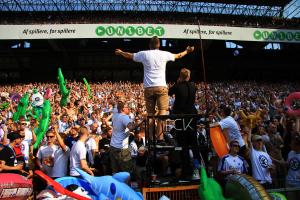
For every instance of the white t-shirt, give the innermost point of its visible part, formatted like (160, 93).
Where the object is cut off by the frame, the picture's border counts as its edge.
(25, 150)
(119, 138)
(260, 162)
(229, 162)
(293, 176)
(233, 130)
(1, 134)
(90, 146)
(25, 144)
(59, 157)
(133, 149)
(154, 62)
(78, 152)
(28, 135)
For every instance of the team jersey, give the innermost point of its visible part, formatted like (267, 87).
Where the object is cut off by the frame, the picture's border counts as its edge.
(229, 162)
(261, 162)
(293, 176)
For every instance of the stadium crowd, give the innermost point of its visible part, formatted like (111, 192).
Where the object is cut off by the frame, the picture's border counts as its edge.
(83, 129)
(144, 17)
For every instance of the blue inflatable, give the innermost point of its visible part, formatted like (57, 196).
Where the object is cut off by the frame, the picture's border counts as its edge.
(66, 181)
(112, 187)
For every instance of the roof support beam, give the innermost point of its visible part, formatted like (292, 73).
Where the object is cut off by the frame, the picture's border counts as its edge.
(31, 4)
(5, 5)
(225, 7)
(297, 13)
(247, 7)
(84, 5)
(58, 9)
(236, 5)
(18, 5)
(293, 12)
(43, 5)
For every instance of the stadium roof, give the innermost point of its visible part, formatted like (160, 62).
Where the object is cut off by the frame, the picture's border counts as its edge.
(232, 7)
(248, 2)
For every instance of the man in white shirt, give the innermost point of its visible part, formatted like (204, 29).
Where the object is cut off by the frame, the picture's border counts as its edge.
(91, 148)
(28, 142)
(53, 159)
(156, 91)
(230, 129)
(293, 176)
(78, 154)
(293, 161)
(120, 155)
(260, 161)
(63, 124)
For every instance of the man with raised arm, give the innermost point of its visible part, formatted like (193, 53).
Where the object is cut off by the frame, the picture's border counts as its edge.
(53, 158)
(230, 128)
(156, 91)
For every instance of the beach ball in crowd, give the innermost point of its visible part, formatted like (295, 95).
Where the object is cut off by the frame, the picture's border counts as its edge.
(37, 99)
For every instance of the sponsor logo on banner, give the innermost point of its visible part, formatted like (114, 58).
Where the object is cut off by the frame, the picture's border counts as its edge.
(276, 35)
(129, 31)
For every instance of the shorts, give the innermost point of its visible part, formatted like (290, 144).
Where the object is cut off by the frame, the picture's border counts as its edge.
(157, 95)
(120, 160)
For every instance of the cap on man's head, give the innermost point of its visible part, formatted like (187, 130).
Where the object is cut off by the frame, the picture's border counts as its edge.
(13, 136)
(256, 137)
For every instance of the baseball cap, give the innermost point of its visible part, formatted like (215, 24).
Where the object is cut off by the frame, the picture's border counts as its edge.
(256, 137)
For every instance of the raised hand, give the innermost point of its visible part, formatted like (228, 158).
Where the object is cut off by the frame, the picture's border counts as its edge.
(190, 49)
(118, 52)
